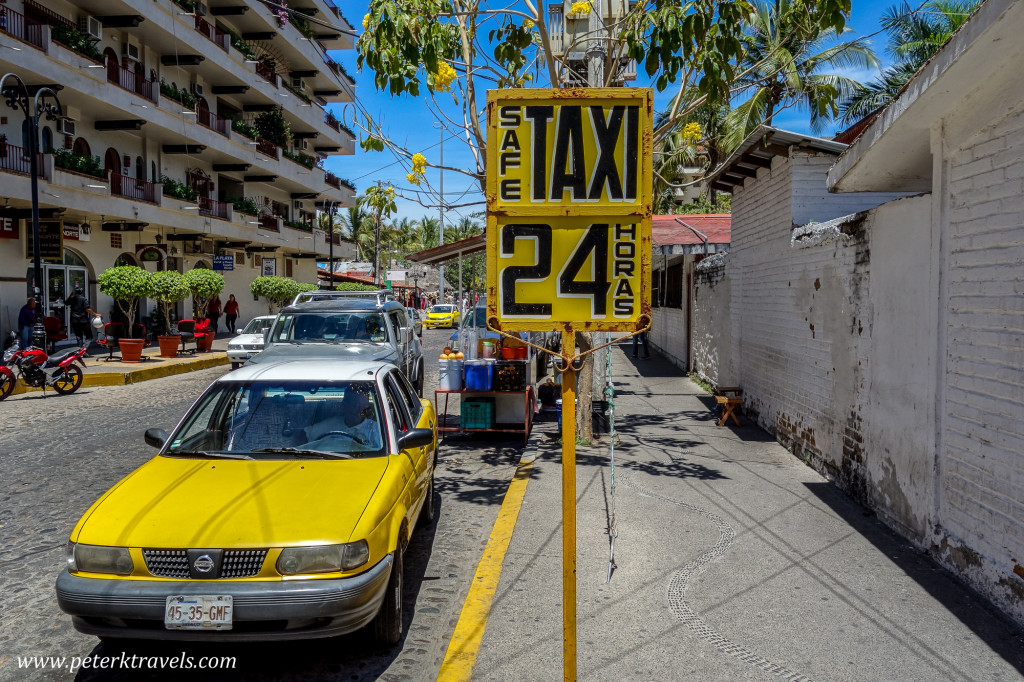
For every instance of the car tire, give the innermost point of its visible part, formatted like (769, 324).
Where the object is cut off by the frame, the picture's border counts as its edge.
(387, 625)
(419, 381)
(427, 512)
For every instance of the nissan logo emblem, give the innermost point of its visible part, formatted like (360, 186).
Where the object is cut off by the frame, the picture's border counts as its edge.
(203, 564)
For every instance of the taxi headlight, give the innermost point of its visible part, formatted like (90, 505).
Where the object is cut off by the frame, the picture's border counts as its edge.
(96, 559)
(323, 559)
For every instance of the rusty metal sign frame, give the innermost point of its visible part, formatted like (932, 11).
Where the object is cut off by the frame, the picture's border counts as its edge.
(558, 215)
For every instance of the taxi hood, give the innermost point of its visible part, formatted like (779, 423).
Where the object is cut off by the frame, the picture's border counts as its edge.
(173, 502)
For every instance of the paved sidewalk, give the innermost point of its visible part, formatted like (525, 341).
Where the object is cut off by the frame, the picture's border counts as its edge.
(734, 561)
(99, 371)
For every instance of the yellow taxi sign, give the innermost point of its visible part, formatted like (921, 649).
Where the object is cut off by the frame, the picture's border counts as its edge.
(569, 204)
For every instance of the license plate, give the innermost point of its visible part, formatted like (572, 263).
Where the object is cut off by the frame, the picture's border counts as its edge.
(198, 612)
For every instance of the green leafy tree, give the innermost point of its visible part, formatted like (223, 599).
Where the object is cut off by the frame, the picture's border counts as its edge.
(914, 36)
(203, 285)
(273, 126)
(126, 284)
(167, 287)
(279, 291)
(784, 65)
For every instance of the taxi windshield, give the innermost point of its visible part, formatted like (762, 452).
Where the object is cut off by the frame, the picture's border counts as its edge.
(271, 420)
(329, 327)
(444, 309)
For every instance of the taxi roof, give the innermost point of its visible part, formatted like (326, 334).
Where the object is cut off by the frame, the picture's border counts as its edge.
(307, 370)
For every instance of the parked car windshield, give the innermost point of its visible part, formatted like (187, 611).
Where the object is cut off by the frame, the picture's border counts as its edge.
(258, 325)
(329, 327)
(271, 420)
(441, 309)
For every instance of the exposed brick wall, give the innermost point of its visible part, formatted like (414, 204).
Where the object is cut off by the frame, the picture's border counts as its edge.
(711, 322)
(982, 429)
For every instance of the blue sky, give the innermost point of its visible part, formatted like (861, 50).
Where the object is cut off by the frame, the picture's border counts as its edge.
(412, 125)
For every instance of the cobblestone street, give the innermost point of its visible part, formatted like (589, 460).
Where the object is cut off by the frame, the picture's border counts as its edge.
(62, 452)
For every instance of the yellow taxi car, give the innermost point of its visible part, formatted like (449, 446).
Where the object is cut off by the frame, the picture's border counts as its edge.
(278, 508)
(442, 315)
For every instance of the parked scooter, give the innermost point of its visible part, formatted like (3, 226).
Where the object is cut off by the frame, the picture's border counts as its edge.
(37, 369)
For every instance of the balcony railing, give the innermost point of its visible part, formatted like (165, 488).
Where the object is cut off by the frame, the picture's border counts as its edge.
(333, 122)
(208, 119)
(15, 159)
(129, 80)
(267, 73)
(45, 15)
(130, 188)
(556, 27)
(212, 33)
(267, 147)
(332, 180)
(333, 8)
(213, 208)
(21, 27)
(269, 222)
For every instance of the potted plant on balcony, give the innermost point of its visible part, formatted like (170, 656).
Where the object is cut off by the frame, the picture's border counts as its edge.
(126, 284)
(167, 288)
(203, 285)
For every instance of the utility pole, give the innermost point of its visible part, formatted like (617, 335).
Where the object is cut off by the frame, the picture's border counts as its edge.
(330, 243)
(440, 208)
(376, 241)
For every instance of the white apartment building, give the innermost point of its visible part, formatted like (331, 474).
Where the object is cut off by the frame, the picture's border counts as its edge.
(581, 42)
(171, 151)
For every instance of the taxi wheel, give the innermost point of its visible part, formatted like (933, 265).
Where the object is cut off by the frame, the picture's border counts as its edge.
(387, 626)
(427, 513)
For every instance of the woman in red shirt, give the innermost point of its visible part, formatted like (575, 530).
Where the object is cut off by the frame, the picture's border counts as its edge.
(231, 313)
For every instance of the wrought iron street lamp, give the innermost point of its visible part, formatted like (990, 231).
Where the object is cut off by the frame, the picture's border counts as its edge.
(16, 97)
(332, 207)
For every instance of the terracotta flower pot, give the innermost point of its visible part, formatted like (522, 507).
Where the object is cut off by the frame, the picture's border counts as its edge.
(168, 346)
(204, 342)
(131, 349)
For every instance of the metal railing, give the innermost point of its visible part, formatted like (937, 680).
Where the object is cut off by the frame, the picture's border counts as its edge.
(265, 146)
(333, 122)
(213, 208)
(21, 27)
(129, 80)
(212, 33)
(208, 119)
(332, 180)
(45, 15)
(15, 159)
(130, 188)
(266, 73)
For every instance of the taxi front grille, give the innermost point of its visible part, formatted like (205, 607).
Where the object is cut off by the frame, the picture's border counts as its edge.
(173, 563)
(167, 563)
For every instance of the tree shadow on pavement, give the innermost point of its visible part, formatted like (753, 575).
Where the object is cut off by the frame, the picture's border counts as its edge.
(994, 628)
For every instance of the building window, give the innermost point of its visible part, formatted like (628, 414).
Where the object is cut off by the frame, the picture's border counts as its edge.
(239, 257)
(674, 286)
(115, 242)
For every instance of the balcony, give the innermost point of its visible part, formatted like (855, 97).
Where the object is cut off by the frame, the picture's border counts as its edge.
(212, 33)
(21, 27)
(213, 208)
(129, 80)
(332, 180)
(269, 222)
(208, 119)
(15, 159)
(265, 146)
(266, 73)
(130, 188)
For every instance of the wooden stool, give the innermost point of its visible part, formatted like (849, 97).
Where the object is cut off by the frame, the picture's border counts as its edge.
(729, 398)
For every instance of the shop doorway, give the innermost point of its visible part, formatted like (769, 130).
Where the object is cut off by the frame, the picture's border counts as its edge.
(60, 282)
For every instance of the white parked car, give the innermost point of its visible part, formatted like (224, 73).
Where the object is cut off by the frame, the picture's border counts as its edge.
(249, 341)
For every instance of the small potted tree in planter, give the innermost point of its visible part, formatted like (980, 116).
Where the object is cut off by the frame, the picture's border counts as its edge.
(167, 288)
(126, 284)
(203, 284)
(278, 291)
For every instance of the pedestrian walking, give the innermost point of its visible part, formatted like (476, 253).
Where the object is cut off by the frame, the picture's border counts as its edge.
(81, 316)
(231, 313)
(27, 322)
(213, 313)
(642, 339)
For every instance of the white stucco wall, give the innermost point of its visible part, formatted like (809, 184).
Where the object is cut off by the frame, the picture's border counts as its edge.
(712, 327)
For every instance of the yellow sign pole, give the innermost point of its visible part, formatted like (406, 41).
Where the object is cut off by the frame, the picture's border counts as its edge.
(569, 506)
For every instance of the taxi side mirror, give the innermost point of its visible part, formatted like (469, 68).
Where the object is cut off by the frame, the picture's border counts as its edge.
(415, 438)
(155, 437)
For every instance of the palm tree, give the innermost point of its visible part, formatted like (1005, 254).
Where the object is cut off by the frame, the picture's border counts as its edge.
(786, 66)
(914, 36)
(679, 150)
(429, 232)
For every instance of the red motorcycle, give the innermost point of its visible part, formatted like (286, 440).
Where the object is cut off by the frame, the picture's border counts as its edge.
(39, 370)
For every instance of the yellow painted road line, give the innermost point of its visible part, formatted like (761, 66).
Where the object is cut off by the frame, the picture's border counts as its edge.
(462, 650)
